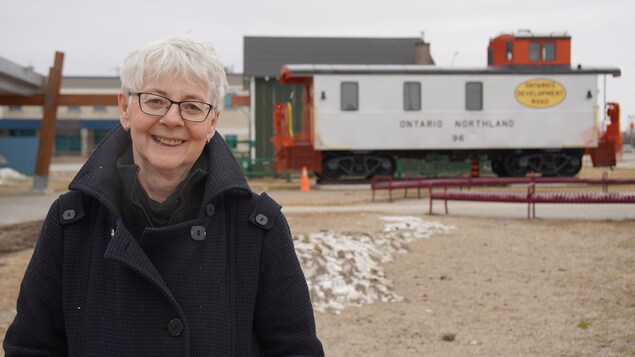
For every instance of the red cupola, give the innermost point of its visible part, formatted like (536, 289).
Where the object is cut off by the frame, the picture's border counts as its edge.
(524, 48)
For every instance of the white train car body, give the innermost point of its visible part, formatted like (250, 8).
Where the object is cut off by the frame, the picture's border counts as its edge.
(382, 123)
(526, 119)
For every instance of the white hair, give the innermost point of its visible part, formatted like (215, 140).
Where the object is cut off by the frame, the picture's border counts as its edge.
(176, 55)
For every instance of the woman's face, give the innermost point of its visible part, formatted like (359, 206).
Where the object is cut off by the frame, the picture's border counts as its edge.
(167, 145)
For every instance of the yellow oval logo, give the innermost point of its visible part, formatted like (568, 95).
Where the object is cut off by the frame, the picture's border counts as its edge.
(540, 93)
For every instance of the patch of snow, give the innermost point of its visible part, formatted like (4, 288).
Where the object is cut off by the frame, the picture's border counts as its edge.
(344, 268)
(7, 174)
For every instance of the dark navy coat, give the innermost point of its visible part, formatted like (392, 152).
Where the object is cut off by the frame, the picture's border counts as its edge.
(225, 284)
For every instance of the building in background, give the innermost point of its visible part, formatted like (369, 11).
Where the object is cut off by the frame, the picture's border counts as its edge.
(80, 128)
(264, 58)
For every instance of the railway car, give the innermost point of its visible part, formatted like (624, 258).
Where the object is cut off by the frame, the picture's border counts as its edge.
(360, 119)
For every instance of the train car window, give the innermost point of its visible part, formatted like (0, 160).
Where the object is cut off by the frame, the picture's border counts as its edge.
(549, 51)
(474, 96)
(412, 96)
(350, 96)
(534, 51)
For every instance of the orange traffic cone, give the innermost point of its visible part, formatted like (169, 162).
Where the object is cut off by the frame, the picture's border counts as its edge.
(305, 186)
(475, 167)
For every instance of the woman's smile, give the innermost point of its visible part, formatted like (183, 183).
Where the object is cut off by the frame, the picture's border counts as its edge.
(167, 141)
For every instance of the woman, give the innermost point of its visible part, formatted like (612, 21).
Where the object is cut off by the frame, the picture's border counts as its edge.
(160, 248)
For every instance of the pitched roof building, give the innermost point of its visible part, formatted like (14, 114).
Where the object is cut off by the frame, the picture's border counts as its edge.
(265, 56)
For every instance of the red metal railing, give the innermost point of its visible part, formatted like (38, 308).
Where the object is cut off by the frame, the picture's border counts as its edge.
(531, 197)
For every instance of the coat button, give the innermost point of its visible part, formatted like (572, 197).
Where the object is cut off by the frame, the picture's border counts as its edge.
(175, 327)
(209, 209)
(261, 219)
(68, 214)
(198, 233)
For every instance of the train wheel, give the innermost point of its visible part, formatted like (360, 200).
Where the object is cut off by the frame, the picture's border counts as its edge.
(548, 165)
(559, 164)
(379, 165)
(330, 169)
(573, 166)
(516, 165)
(498, 167)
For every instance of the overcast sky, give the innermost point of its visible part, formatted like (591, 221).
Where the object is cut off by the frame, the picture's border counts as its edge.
(96, 35)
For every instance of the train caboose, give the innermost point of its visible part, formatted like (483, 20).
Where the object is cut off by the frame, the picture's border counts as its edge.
(528, 111)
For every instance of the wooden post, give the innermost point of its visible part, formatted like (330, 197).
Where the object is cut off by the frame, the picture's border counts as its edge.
(49, 120)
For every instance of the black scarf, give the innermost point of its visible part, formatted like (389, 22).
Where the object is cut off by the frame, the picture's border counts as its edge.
(140, 211)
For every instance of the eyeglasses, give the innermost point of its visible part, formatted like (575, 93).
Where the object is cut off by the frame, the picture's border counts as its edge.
(158, 105)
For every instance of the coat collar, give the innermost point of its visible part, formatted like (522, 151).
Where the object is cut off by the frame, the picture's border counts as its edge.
(99, 179)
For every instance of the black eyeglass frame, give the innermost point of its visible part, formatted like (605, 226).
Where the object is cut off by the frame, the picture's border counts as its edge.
(178, 104)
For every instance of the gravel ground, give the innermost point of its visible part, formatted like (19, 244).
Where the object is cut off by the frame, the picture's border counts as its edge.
(496, 287)
(490, 286)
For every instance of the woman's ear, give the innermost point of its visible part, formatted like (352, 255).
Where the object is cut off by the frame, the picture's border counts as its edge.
(122, 103)
(212, 127)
